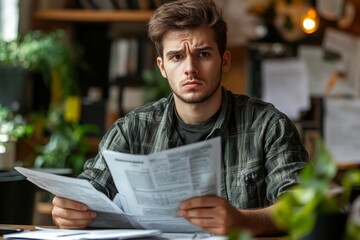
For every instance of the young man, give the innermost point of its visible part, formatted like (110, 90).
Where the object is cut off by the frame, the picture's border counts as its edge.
(261, 151)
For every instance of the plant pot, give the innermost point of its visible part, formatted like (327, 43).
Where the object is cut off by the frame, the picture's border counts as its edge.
(13, 86)
(17, 198)
(328, 227)
(7, 158)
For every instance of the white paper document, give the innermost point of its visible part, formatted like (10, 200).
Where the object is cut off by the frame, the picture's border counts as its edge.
(347, 46)
(54, 234)
(150, 187)
(320, 72)
(342, 129)
(285, 84)
(330, 9)
(82, 191)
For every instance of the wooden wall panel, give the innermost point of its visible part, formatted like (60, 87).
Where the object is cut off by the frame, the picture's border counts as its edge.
(235, 80)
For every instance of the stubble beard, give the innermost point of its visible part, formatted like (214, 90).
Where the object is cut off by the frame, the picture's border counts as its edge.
(202, 98)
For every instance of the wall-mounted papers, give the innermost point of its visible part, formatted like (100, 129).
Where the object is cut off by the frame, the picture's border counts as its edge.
(330, 9)
(342, 129)
(321, 70)
(285, 84)
(347, 47)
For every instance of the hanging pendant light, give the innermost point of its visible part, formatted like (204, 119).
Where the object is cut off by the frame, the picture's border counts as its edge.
(310, 21)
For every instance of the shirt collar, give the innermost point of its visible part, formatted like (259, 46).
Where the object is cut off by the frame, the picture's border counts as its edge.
(219, 127)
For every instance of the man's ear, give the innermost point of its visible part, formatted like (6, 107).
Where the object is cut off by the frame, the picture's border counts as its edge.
(226, 61)
(160, 64)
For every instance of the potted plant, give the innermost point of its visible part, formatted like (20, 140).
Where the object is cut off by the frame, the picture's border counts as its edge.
(66, 146)
(314, 209)
(62, 138)
(47, 53)
(12, 127)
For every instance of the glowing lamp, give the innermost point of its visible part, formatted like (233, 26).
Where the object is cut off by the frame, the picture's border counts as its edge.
(310, 22)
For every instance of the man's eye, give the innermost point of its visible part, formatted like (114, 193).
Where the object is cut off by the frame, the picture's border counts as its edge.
(204, 54)
(176, 57)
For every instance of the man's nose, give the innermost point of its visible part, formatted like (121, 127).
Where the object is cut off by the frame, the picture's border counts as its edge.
(190, 68)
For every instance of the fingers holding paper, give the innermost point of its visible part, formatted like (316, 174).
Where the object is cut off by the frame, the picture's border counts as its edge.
(212, 214)
(67, 213)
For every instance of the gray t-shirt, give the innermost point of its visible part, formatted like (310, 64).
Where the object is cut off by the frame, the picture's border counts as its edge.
(190, 133)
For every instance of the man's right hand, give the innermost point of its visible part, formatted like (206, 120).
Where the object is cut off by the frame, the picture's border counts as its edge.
(67, 213)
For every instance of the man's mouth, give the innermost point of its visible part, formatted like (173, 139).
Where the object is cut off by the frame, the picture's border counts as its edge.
(191, 82)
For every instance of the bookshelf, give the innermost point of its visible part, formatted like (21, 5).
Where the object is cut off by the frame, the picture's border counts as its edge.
(93, 29)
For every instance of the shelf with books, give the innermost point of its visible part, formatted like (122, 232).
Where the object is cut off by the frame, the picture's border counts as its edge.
(96, 27)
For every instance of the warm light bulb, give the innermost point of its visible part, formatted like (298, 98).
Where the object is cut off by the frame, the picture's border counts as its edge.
(310, 21)
(309, 24)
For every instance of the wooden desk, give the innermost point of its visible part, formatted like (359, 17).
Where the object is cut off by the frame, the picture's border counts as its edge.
(32, 227)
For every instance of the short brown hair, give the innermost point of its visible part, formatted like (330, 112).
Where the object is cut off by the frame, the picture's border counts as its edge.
(187, 14)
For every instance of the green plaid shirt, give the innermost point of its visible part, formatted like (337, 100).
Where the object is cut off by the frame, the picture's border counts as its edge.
(262, 153)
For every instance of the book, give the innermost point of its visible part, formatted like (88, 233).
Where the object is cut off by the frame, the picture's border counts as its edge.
(122, 4)
(103, 4)
(86, 4)
(119, 55)
(144, 4)
(132, 61)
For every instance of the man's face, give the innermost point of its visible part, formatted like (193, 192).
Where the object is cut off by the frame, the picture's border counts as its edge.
(192, 64)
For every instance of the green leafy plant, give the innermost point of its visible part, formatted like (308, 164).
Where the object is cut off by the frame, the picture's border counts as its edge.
(156, 86)
(67, 146)
(298, 209)
(239, 234)
(50, 54)
(45, 52)
(12, 127)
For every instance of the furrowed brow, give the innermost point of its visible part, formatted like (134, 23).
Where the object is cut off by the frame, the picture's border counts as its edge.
(201, 49)
(173, 52)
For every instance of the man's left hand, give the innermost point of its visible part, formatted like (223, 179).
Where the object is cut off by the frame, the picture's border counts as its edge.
(212, 214)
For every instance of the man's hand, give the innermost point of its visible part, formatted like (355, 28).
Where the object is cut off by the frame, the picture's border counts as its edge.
(215, 215)
(212, 214)
(67, 213)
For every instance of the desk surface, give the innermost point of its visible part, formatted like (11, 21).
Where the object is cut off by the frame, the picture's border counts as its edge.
(32, 227)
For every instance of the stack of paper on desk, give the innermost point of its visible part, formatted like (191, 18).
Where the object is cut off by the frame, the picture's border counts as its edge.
(63, 234)
(109, 234)
(150, 186)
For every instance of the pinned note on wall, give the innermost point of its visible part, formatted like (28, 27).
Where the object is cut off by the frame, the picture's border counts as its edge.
(342, 129)
(285, 84)
(347, 47)
(325, 77)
